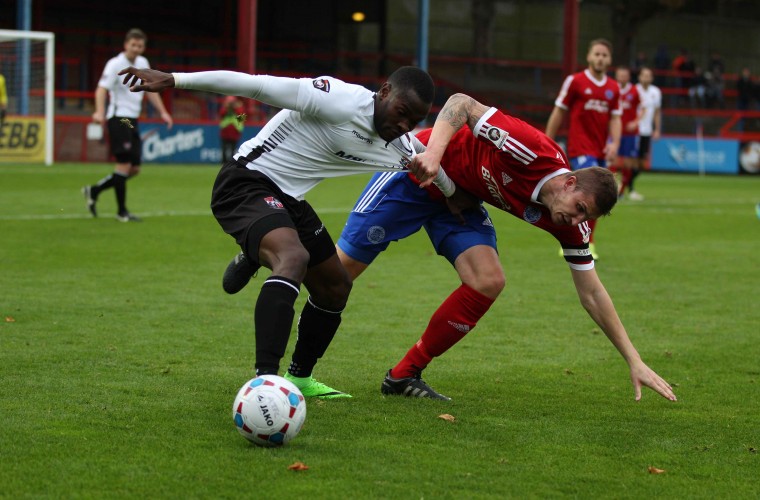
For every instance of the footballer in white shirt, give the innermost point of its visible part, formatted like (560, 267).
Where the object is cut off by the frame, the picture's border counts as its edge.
(124, 108)
(649, 125)
(327, 128)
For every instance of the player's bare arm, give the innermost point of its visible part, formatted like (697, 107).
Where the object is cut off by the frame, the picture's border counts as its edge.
(555, 120)
(99, 116)
(598, 304)
(157, 103)
(459, 110)
(148, 80)
(657, 120)
(616, 129)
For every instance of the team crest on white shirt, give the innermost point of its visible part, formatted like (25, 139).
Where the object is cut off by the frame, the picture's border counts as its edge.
(321, 84)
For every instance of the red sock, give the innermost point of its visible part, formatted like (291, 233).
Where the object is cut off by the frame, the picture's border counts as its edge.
(627, 174)
(458, 314)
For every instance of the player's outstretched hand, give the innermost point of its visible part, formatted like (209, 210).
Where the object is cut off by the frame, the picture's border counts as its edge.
(641, 374)
(424, 168)
(149, 80)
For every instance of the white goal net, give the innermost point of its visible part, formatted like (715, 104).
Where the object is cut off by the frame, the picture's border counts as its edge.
(27, 70)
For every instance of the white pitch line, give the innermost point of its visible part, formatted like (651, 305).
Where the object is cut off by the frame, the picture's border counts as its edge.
(144, 215)
(684, 206)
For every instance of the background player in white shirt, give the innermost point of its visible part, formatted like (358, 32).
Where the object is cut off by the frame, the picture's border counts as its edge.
(327, 128)
(650, 123)
(124, 108)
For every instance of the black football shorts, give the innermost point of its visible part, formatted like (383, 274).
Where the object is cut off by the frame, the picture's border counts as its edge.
(248, 205)
(124, 138)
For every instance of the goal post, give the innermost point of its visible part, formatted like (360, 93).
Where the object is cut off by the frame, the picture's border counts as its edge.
(27, 65)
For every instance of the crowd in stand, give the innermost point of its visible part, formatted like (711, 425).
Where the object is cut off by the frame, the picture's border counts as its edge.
(700, 86)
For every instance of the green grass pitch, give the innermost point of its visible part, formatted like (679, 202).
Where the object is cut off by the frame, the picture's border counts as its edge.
(120, 355)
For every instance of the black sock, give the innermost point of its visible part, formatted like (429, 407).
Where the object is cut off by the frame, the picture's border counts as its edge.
(316, 329)
(103, 184)
(120, 186)
(273, 320)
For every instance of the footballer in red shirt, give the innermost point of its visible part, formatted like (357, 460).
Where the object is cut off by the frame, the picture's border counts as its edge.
(593, 102)
(515, 168)
(632, 113)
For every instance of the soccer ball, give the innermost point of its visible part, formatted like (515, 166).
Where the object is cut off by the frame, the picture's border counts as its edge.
(269, 410)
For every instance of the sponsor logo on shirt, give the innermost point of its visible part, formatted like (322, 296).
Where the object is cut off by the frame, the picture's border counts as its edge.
(321, 84)
(361, 137)
(532, 214)
(321, 228)
(597, 105)
(493, 188)
(273, 202)
(346, 156)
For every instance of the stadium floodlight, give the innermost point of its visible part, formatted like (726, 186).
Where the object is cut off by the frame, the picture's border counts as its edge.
(27, 63)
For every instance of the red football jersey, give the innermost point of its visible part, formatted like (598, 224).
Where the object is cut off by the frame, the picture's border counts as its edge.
(629, 101)
(591, 104)
(505, 162)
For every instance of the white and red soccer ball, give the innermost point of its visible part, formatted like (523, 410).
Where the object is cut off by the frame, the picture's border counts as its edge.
(269, 410)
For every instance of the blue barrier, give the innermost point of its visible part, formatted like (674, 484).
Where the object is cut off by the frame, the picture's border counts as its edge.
(184, 143)
(715, 156)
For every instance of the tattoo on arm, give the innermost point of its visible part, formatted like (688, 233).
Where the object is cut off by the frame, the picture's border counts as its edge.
(458, 111)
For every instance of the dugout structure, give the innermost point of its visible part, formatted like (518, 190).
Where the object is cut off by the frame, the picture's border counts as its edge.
(27, 65)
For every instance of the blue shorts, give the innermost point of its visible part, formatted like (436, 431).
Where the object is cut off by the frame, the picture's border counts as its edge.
(629, 146)
(585, 161)
(392, 207)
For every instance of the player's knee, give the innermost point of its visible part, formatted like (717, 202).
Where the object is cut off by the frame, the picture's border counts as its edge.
(341, 291)
(291, 263)
(489, 284)
(333, 295)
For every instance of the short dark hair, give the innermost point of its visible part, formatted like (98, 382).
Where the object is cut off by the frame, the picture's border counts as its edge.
(600, 183)
(600, 41)
(416, 79)
(136, 33)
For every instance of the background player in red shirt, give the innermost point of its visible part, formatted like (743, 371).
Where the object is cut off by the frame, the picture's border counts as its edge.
(593, 101)
(629, 141)
(515, 168)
